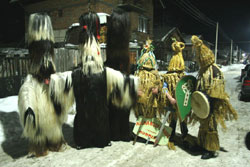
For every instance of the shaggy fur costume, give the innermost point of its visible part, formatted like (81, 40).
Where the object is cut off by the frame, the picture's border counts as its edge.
(41, 117)
(118, 59)
(94, 87)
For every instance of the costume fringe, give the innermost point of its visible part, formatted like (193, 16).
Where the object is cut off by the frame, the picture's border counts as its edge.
(204, 55)
(208, 140)
(60, 82)
(224, 111)
(177, 62)
(172, 79)
(121, 89)
(215, 88)
(150, 105)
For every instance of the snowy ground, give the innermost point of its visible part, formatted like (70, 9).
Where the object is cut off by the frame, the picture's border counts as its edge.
(13, 150)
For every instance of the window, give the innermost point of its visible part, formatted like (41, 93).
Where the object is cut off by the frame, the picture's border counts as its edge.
(143, 24)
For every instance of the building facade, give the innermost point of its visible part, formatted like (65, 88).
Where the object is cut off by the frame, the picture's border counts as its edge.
(64, 13)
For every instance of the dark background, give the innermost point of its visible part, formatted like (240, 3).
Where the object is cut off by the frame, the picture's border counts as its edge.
(233, 18)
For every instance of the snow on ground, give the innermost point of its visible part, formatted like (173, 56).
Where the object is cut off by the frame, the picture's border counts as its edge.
(13, 150)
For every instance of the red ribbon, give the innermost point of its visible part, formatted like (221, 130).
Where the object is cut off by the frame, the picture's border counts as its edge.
(46, 81)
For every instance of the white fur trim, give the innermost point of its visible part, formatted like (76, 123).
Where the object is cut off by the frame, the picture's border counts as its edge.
(91, 57)
(43, 32)
(57, 87)
(48, 126)
(115, 80)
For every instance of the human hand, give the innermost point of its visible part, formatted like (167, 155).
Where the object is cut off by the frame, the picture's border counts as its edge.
(140, 92)
(172, 101)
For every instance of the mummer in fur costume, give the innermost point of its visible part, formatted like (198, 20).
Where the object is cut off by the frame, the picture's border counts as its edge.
(40, 117)
(118, 35)
(94, 86)
(211, 82)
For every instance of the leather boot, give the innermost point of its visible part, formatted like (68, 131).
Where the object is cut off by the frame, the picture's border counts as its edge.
(208, 155)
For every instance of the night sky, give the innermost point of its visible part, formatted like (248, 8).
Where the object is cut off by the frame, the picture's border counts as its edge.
(12, 24)
(233, 18)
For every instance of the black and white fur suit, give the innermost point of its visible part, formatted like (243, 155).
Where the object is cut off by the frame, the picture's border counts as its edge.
(94, 86)
(40, 116)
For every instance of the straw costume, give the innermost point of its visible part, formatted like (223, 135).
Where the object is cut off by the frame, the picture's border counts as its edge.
(148, 104)
(41, 116)
(94, 87)
(211, 82)
(175, 72)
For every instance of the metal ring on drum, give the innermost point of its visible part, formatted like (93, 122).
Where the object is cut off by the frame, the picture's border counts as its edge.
(200, 104)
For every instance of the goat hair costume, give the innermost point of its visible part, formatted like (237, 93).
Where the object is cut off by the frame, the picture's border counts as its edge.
(118, 34)
(41, 117)
(93, 86)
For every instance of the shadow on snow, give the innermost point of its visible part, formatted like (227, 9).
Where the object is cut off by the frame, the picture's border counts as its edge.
(14, 144)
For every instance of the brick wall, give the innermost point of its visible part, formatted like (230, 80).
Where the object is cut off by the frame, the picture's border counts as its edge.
(66, 12)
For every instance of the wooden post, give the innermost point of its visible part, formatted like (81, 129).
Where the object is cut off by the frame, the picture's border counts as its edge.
(231, 52)
(216, 42)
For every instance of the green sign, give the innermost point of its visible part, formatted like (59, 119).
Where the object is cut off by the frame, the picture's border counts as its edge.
(148, 128)
(184, 89)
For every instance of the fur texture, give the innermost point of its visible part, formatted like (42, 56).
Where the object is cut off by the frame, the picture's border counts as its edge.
(41, 116)
(93, 88)
(40, 28)
(91, 57)
(120, 88)
(41, 125)
(118, 35)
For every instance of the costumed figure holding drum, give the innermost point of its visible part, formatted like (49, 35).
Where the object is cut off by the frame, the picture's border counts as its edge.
(210, 103)
(175, 73)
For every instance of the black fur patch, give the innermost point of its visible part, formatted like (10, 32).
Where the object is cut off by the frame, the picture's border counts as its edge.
(37, 49)
(29, 111)
(117, 49)
(41, 52)
(67, 86)
(57, 106)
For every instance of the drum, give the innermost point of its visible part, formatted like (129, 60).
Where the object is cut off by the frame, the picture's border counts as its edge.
(200, 104)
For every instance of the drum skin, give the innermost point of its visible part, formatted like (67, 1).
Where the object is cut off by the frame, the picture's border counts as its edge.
(200, 104)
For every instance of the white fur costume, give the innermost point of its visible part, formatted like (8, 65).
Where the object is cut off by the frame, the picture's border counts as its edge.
(40, 116)
(44, 128)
